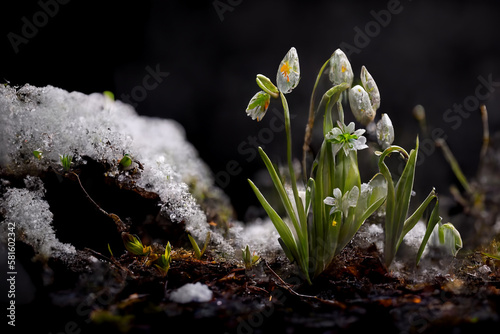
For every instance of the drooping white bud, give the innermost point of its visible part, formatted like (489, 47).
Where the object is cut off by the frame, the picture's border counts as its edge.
(371, 88)
(361, 107)
(385, 132)
(340, 69)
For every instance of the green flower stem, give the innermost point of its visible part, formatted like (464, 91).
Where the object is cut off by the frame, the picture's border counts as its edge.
(310, 122)
(455, 167)
(298, 201)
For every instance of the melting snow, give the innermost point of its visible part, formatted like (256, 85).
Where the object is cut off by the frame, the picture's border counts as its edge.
(190, 292)
(56, 122)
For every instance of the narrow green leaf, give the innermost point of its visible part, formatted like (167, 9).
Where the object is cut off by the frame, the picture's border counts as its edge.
(287, 251)
(282, 228)
(404, 188)
(390, 217)
(433, 220)
(415, 217)
(282, 192)
(197, 251)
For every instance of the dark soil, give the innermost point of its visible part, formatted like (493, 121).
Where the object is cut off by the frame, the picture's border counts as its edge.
(123, 294)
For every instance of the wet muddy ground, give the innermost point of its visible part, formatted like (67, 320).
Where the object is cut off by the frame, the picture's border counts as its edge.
(100, 292)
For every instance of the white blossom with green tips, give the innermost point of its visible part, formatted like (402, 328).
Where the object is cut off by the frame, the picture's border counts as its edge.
(257, 107)
(288, 75)
(346, 138)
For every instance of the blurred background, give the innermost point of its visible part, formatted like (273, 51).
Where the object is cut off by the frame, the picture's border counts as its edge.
(440, 55)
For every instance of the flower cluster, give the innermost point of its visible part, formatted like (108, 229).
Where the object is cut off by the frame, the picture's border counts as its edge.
(318, 225)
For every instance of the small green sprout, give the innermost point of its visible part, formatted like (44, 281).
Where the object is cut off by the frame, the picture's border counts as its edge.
(66, 161)
(197, 252)
(493, 250)
(134, 245)
(163, 262)
(249, 259)
(110, 252)
(38, 154)
(126, 161)
(109, 95)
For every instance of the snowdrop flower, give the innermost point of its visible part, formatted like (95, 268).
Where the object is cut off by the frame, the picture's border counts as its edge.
(361, 106)
(340, 69)
(288, 75)
(385, 132)
(342, 203)
(371, 88)
(257, 107)
(344, 137)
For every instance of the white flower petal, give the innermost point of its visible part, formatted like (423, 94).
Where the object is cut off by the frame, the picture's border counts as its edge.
(360, 144)
(359, 132)
(352, 197)
(349, 128)
(329, 201)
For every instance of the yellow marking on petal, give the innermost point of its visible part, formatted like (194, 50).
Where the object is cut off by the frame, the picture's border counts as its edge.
(285, 70)
(334, 223)
(343, 68)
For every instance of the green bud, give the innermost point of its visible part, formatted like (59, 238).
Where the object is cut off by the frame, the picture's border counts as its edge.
(267, 86)
(134, 245)
(109, 95)
(126, 161)
(38, 154)
(361, 107)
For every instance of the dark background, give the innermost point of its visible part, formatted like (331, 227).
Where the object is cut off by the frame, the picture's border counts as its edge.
(429, 53)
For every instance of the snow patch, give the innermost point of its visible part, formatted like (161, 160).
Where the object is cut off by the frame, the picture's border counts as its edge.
(55, 122)
(190, 292)
(28, 214)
